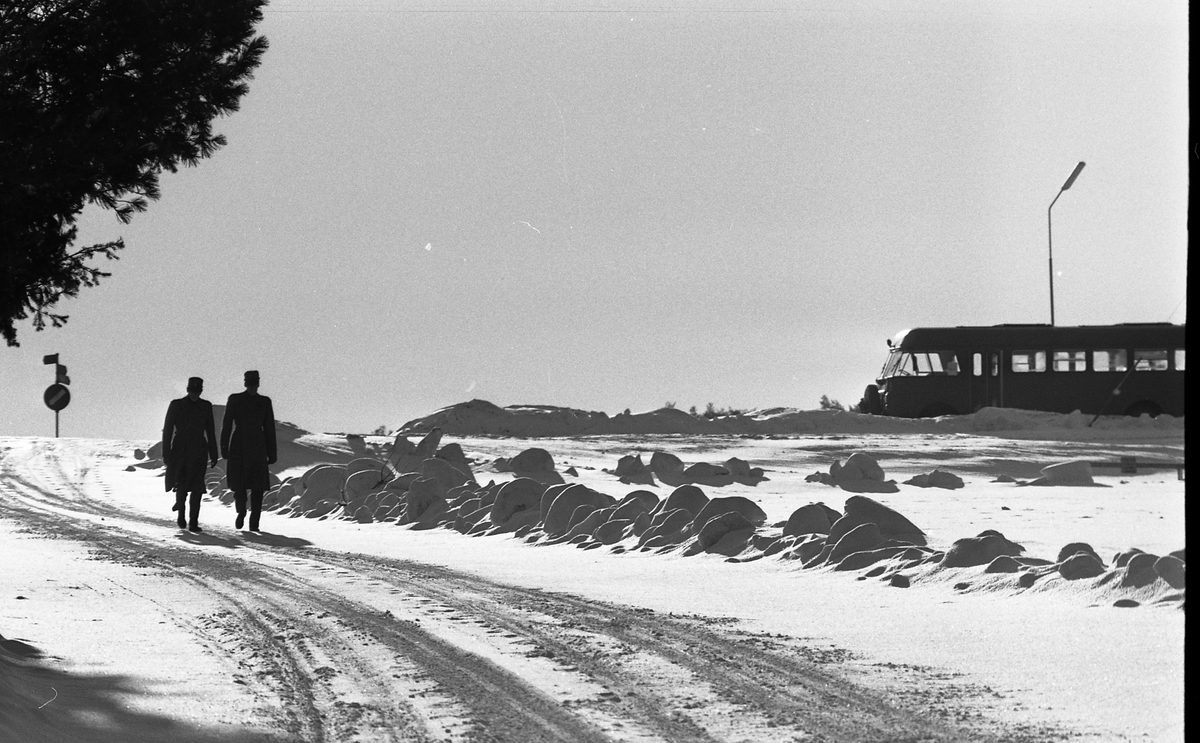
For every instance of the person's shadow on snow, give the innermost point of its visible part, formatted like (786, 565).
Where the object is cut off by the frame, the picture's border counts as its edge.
(276, 540)
(207, 539)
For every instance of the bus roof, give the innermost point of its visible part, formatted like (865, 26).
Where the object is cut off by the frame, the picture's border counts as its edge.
(1124, 335)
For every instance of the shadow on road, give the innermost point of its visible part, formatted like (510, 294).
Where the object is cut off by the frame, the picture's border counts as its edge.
(42, 704)
(205, 539)
(276, 540)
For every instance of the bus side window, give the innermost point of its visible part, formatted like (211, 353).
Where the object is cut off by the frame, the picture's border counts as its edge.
(977, 364)
(1150, 359)
(995, 365)
(935, 362)
(1029, 361)
(1067, 361)
(1179, 359)
(1111, 359)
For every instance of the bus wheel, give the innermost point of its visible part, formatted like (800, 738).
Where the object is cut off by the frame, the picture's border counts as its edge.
(933, 410)
(1144, 407)
(871, 403)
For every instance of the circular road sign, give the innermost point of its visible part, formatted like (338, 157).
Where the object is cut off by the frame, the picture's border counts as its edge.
(57, 396)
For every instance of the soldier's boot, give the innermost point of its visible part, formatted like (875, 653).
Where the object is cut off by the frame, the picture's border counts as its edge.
(179, 501)
(239, 503)
(194, 519)
(256, 499)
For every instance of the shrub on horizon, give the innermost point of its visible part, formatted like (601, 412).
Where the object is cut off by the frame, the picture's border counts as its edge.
(828, 403)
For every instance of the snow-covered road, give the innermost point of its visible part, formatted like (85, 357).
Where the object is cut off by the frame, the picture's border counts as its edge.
(339, 631)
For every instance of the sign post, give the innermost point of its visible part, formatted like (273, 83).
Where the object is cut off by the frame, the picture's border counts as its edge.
(57, 396)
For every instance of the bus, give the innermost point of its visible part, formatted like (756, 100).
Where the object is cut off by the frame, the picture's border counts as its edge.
(1128, 369)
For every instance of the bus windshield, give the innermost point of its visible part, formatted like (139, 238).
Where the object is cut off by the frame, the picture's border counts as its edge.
(919, 364)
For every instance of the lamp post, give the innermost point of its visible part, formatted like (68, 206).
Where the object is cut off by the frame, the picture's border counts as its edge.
(1050, 232)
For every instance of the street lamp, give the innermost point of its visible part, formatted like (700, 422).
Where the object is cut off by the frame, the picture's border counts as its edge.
(1050, 232)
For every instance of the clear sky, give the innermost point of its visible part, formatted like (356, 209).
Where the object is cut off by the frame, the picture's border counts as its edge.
(423, 203)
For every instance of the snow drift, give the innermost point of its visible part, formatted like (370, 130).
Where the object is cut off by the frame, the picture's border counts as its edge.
(482, 418)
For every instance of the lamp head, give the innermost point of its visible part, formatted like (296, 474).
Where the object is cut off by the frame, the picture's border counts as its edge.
(1074, 174)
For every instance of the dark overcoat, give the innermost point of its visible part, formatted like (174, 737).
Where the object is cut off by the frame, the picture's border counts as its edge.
(248, 441)
(189, 443)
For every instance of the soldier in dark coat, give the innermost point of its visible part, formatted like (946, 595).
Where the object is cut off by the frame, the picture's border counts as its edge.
(189, 442)
(248, 445)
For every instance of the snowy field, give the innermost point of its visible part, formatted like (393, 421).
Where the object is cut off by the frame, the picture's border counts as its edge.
(383, 613)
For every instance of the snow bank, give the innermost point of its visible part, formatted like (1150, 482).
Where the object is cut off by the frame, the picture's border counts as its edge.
(427, 486)
(482, 418)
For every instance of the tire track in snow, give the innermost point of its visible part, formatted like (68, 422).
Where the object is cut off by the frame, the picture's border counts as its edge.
(492, 703)
(676, 675)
